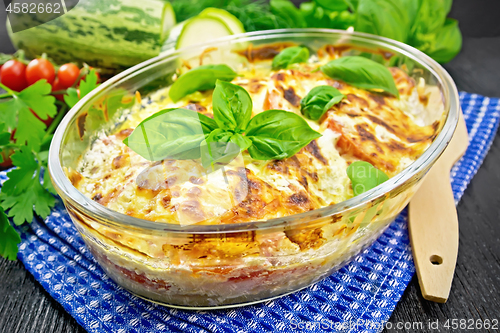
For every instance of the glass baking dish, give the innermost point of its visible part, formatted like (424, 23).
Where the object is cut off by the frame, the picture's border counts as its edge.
(239, 264)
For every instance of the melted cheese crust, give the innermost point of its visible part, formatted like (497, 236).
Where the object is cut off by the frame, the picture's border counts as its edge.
(388, 132)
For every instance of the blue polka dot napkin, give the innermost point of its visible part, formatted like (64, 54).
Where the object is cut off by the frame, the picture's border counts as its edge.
(358, 298)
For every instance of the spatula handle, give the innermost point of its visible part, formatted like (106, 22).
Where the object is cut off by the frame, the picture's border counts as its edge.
(433, 226)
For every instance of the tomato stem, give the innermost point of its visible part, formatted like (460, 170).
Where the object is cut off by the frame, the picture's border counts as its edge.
(20, 56)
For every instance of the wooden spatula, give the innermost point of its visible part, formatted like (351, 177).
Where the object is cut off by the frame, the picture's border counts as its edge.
(433, 223)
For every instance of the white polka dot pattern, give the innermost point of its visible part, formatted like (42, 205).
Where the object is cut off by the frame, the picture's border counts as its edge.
(368, 288)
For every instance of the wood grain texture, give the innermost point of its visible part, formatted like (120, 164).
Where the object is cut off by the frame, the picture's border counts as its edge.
(475, 293)
(433, 222)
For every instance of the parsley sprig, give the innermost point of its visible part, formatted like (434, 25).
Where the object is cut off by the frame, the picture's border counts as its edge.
(186, 134)
(26, 138)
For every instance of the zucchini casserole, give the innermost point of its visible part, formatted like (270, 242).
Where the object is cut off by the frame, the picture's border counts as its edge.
(207, 269)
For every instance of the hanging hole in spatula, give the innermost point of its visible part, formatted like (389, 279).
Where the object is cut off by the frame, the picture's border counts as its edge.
(436, 260)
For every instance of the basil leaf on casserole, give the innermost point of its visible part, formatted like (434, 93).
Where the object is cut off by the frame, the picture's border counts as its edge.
(362, 73)
(364, 176)
(289, 56)
(217, 148)
(278, 134)
(199, 79)
(232, 106)
(170, 133)
(319, 100)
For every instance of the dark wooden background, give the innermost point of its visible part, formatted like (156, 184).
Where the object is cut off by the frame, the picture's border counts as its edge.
(26, 307)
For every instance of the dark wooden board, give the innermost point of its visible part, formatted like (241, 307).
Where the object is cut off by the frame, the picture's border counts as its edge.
(26, 307)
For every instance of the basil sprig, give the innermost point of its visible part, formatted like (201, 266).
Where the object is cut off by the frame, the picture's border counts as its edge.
(186, 134)
(361, 72)
(272, 134)
(289, 56)
(319, 100)
(364, 176)
(199, 79)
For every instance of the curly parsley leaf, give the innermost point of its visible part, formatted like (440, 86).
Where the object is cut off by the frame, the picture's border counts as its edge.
(71, 97)
(47, 182)
(9, 238)
(22, 192)
(22, 195)
(22, 205)
(20, 177)
(4, 140)
(7, 115)
(28, 107)
(30, 130)
(89, 84)
(38, 99)
(4, 135)
(86, 85)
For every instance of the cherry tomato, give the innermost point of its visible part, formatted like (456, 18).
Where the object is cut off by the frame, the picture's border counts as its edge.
(40, 69)
(68, 74)
(13, 75)
(56, 86)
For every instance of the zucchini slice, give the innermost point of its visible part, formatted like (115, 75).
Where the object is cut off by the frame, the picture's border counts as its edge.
(229, 19)
(167, 21)
(199, 30)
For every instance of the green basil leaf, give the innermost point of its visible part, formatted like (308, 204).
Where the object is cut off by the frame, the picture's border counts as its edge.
(232, 106)
(219, 135)
(388, 18)
(362, 73)
(170, 133)
(431, 16)
(218, 154)
(278, 134)
(445, 44)
(264, 148)
(289, 56)
(287, 11)
(242, 141)
(217, 149)
(222, 147)
(199, 79)
(334, 5)
(364, 176)
(319, 100)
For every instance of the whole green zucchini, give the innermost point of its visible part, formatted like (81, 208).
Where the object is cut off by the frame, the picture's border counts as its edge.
(109, 34)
